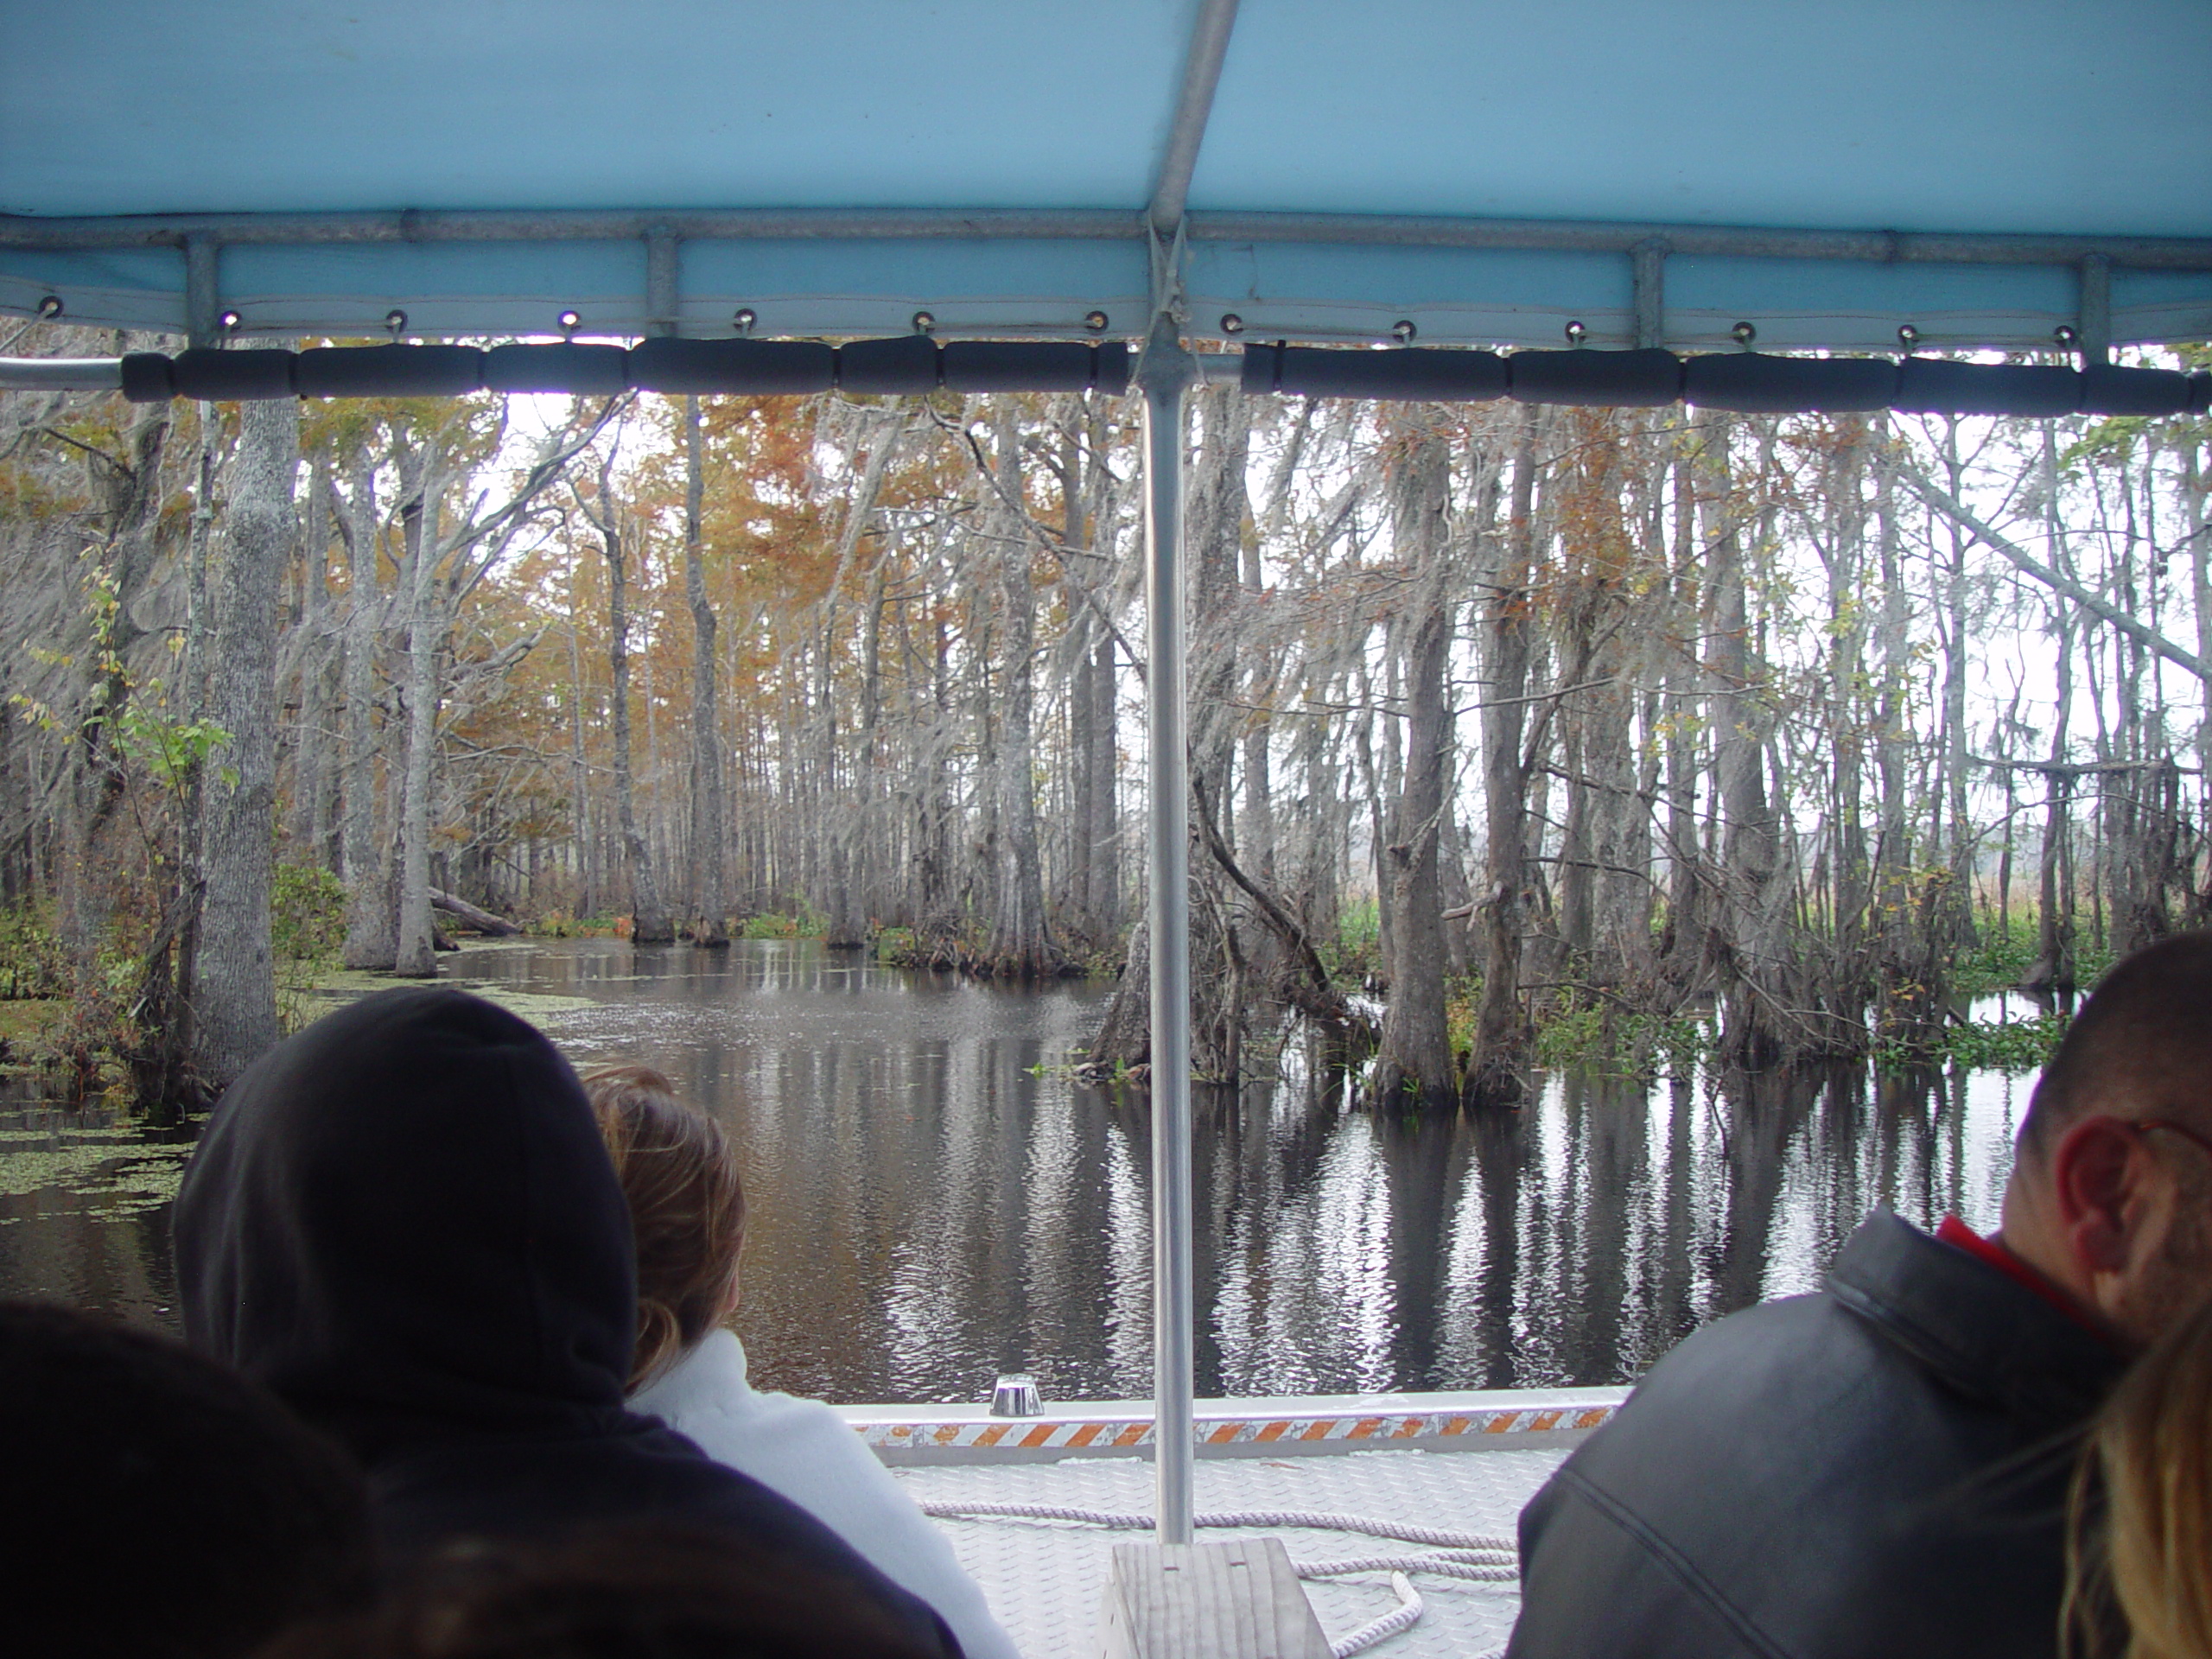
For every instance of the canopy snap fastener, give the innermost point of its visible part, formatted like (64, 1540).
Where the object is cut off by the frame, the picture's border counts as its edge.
(1403, 331)
(1908, 337)
(570, 321)
(924, 323)
(50, 306)
(744, 320)
(1744, 333)
(1577, 332)
(395, 323)
(1096, 321)
(1231, 323)
(229, 321)
(2067, 335)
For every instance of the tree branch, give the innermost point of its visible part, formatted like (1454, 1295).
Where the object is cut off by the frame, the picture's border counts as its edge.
(1943, 502)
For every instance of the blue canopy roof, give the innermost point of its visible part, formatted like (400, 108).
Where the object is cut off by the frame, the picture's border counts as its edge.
(1485, 172)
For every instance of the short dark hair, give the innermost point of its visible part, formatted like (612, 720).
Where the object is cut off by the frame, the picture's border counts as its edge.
(159, 1505)
(638, 1592)
(2141, 1045)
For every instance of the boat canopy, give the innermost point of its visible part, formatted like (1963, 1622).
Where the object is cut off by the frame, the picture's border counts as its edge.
(1982, 172)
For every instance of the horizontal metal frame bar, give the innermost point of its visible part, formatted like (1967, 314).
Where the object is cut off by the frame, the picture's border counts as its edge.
(1353, 229)
(305, 230)
(60, 374)
(1756, 384)
(1565, 236)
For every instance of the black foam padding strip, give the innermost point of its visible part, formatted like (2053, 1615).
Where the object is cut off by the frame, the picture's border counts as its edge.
(232, 376)
(1311, 372)
(1112, 366)
(146, 377)
(2108, 390)
(758, 368)
(1752, 383)
(1639, 380)
(1929, 386)
(889, 368)
(389, 371)
(1033, 365)
(580, 371)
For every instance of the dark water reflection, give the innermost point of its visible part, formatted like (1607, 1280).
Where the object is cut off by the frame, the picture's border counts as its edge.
(931, 1203)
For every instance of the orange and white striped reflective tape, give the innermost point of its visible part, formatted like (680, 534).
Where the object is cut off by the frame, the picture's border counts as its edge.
(1047, 1434)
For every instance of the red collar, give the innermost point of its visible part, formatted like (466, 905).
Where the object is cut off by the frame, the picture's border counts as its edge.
(1993, 1254)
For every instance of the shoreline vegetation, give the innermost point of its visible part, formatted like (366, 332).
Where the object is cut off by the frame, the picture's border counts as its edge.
(52, 1054)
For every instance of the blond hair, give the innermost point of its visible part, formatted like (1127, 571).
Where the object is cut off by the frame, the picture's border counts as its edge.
(687, 1210)
(2148, 1462)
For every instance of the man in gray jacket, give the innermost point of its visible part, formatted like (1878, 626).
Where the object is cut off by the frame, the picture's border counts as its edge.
(1881, 1469)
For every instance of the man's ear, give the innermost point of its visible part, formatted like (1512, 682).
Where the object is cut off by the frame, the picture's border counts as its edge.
(2097, 1171)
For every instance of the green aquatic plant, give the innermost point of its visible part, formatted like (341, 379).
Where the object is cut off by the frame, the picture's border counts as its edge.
(114, 1163)
(33, 964)
(2013, 1045)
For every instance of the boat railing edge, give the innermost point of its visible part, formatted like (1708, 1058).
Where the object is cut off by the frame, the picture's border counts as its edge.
(1292, 1426)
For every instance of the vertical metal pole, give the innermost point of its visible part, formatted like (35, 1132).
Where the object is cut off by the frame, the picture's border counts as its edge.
(1164, 374)
(199, 291)
(2095, 314)
(660, 280)
(1650, 287)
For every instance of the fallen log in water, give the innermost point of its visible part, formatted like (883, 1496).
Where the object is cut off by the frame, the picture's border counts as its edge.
(482, 920)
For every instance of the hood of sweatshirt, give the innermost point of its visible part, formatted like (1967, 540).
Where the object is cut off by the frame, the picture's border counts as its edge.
(403, 1221)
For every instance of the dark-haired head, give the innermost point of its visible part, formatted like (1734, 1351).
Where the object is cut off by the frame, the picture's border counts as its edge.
(403, 1220)
(2111, 1194)
(632, 1592)
(159, 1506)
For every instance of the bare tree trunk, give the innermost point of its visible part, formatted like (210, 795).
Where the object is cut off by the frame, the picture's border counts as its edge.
(586, 842)
(1414, 1067)
(310, 815)
(2053, 969)
(649, 917)
(1022, 943)
(1754, 1001)
(1502, 1033)
(1255, 836)
(709, 886)
(1683, 953)
(1903, 1013)
(415, 950)
(1952, 919)
(1101, 829)
(234, 1000)
(372, 912)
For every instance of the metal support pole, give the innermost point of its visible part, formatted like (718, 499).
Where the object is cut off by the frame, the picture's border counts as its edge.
(200, 253)
(660, 281)
(1166, 373)
(1650, 286)
(2096, 311)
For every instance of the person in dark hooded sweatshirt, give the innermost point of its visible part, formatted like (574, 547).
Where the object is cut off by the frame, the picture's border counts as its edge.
(403, 1221)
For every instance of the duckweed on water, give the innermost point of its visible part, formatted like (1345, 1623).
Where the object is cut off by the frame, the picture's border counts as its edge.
(337, 987)
(113, 1164)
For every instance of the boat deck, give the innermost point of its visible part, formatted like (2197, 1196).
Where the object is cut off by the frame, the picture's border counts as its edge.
(1045, 1579)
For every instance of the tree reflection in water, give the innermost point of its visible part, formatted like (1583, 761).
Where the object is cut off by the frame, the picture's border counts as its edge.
(932, 1202)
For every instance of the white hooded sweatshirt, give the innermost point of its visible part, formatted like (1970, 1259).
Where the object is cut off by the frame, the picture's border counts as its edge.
(805, 1451)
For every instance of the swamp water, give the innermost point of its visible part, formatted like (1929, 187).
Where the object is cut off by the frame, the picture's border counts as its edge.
(932, 1201)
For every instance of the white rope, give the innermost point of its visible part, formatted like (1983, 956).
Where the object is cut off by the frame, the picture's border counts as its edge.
(1403, 1616)
(1312, 1520)
(1468, 1555)
(1443, 1567)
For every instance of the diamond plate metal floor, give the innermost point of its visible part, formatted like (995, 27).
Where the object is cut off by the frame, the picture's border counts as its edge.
(1043, 1579)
